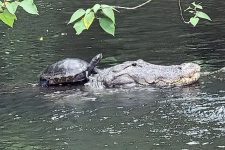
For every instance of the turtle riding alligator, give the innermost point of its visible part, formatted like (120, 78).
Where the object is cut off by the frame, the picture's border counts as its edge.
(69, 70)
(140, 72)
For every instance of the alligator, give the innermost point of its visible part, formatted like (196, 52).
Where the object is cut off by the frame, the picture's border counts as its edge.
(142, 73)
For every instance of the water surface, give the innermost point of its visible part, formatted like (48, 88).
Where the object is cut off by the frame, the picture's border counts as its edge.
(191, 117)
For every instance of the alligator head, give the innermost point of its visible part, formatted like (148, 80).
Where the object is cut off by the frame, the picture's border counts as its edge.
(143, 73)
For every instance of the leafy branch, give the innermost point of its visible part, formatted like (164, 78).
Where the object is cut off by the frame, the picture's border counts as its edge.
(83, 19)
(196, 10)
(8, 10)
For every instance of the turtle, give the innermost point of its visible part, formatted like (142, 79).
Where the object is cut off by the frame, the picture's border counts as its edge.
(69, 70)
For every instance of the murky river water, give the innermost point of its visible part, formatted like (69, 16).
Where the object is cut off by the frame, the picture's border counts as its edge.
(72, 118)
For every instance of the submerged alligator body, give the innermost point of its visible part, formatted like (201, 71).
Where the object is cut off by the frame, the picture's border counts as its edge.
(140, 72)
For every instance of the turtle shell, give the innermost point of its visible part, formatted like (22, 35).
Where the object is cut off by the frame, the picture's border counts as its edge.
(70, 70)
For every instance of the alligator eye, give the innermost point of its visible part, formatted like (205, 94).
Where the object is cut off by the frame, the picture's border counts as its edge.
(180, 68)
(134, 64)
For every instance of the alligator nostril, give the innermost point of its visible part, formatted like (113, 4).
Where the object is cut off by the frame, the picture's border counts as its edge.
(134, 64)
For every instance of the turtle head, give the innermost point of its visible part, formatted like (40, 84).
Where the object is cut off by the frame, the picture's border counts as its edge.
(95, 60)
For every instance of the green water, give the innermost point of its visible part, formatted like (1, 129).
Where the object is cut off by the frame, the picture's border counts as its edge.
(73, 118)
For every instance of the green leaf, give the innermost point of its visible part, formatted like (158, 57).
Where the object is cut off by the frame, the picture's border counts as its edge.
(108, 12)
(7, 17)
(79, 27)
(108, 6)
(76, 15)
(197, 5)
(189, 8)
(105, 6)
(12, 7)
(96, 7)
(88, 11)
(29, 6)
(194, 21)
(203, 15)
(88, 19)
(107, 25)
(191, 11)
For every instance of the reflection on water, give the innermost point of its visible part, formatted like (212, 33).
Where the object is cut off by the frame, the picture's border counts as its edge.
(133, 118)
(143, 118)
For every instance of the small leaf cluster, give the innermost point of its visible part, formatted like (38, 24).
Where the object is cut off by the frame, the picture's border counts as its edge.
(197, 10)
(8, 9)
(83, 19)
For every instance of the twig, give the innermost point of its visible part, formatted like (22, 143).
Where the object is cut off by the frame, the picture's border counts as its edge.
(181, 12)
(4, 3)
(132, 8)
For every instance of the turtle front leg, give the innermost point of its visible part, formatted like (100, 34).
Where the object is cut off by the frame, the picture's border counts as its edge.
(44, 83)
